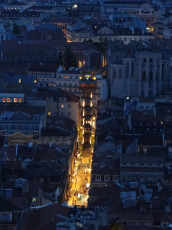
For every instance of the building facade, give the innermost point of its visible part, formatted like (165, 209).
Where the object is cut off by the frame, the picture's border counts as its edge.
(137, 70)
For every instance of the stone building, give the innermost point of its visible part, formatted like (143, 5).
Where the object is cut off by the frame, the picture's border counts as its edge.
(139, 69)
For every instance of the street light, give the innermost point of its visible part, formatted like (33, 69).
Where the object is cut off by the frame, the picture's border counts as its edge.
(75, 6)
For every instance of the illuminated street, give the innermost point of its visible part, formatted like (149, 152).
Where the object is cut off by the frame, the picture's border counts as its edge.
(81, 163)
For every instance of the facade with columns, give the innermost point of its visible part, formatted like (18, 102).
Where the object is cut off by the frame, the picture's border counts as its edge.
(139, 72)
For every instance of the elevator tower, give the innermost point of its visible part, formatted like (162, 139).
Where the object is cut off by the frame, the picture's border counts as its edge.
(88, 86)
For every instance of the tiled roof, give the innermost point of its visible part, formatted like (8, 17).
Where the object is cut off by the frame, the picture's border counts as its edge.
(7, 206)
(43, 218)
(44, 67)
(138, 170)
(134, 214)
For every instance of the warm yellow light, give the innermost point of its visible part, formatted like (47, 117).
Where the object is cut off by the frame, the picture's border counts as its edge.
(35, 81)
(62, 106)
(94, 78)
(75, 6)
(80, 78)
(49, 113)
(19, 80)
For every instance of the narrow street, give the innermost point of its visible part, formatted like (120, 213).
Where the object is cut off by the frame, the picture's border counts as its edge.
(81, 164)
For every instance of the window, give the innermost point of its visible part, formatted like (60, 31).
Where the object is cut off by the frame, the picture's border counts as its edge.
(19, 81)
(4, 99)
(15, 99)
(20, 100)
(34, 200)
(106, 178)
(98, 178)
(8, 99)
(69, 106)
(115, 178)
(120, 73)
(62, 106)
(144, 76)
(49, 113)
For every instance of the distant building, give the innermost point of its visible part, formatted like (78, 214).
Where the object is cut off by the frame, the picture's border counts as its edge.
(139, 69)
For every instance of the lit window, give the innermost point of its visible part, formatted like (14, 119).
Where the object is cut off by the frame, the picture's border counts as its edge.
(15, 99)
(34, 200)
(8, 99)
(35, 81)
(4, 99)
(62, 106)
(19, 81)
(49, 113)
(20, 100)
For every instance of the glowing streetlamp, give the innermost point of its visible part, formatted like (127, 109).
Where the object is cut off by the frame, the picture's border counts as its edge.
(75, 6)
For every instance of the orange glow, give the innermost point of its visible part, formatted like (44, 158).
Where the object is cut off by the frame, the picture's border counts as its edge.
(4, 99)
(20, 100)
(15, 99)
(8, 99)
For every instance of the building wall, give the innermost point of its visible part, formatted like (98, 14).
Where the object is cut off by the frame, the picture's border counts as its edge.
(144, 75)
(69, 109)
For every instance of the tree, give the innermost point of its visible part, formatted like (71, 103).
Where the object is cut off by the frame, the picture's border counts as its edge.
(16, 29)
(69, 58)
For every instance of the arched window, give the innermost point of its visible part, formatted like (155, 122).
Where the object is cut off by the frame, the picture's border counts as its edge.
(156, 76)
(144, 76)
(150, 93)
(114, 73)
(150, 76)
(120, 73)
